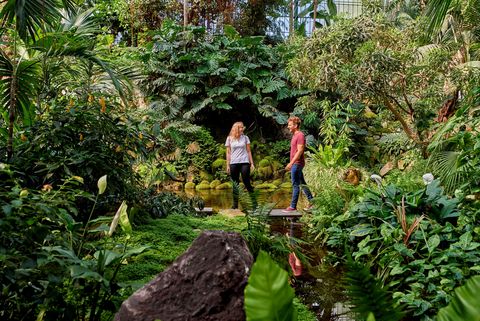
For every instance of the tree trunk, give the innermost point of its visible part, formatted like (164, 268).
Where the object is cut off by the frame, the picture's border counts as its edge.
(405, 126)
(185, 14)
(315, 6)
(11, 116)
(291, 30)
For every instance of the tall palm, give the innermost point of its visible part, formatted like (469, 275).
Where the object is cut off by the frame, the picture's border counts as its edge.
(27, 17)
(467, 11)
(26, 69)
(18, 80)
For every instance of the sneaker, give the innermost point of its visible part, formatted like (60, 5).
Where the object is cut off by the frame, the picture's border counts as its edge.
(308, 208)
(289, 209)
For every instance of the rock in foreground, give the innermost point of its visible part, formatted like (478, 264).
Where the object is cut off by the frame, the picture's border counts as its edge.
(204, 283)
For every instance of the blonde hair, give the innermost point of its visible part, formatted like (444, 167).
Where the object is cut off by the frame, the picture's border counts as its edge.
(235, 131)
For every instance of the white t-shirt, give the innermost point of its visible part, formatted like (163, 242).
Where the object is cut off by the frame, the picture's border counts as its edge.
(238, 149)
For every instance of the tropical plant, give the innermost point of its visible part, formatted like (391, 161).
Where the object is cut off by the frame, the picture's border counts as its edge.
(438, 10)
(367, 295)
(370, 60)
(268, 295)
(454, 148)
(409, 255)
(29, 66)
(64, 275)
(191, 73)
(463, 305)
(328, 156)
(318, 15)
(82, 140)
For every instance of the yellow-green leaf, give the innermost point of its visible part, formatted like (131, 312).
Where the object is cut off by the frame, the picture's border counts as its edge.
(102, 184)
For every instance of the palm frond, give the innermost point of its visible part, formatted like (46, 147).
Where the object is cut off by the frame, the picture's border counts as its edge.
(30, 16)
(449, 168)
(436, 12)
(79, 21)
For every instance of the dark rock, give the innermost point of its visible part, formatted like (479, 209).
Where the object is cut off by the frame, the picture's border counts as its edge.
(204, 283)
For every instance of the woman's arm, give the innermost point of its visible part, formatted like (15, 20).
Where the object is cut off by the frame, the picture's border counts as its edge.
(229, 151)
(250, 158)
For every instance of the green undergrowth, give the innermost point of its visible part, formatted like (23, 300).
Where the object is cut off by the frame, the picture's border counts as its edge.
(168, 238)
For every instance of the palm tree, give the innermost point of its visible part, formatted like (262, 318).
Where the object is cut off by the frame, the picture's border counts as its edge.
(36, 50)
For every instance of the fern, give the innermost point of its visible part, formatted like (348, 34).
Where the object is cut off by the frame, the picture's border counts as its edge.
(273, 85)
(368, 296)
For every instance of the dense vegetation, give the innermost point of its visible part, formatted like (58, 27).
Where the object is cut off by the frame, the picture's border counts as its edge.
(109, 106)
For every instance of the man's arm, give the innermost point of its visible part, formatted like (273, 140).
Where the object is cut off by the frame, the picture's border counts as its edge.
(298, 154)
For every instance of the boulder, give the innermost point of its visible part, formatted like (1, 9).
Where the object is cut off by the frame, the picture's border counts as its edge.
(386, 168)
(206, 283)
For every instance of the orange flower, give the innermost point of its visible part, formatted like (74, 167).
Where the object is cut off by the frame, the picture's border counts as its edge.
(47, 188)
(101, 101)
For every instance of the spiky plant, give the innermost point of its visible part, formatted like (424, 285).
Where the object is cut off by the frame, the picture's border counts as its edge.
(367, 295)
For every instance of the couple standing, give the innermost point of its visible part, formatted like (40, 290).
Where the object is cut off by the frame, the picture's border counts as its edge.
(240, 161)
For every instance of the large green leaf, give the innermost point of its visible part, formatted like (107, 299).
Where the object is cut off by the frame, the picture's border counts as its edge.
(268, 295)
(465, 303)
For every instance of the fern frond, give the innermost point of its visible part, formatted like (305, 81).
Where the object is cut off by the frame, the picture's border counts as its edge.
(367, 295)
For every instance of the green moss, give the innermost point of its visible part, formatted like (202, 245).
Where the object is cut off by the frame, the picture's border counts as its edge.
(264, 172)
(189, 185)
(264, 163)
(276, 165)
(277, 182)
(203, 185)
(205, 176)
(226, 185)
(219, 164)
(269, 186)
(222, 151)
(286, 185)
(168, 238)
(215, 183)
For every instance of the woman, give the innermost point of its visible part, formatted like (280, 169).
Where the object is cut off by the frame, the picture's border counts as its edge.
(239, 158)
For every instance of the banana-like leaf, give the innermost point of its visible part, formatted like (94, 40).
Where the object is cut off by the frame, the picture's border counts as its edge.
(268, 295)
(465, 303)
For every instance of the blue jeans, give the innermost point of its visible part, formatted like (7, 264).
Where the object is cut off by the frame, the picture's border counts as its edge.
(297, 180)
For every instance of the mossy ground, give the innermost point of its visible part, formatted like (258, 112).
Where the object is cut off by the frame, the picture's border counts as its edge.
(171, 236)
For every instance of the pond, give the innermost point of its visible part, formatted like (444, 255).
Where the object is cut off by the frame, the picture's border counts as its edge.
(223, 199)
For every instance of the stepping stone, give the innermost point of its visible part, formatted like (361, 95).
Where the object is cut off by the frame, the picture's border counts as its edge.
(278, 212)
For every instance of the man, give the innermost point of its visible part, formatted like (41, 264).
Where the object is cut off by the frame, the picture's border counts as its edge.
(297, 162)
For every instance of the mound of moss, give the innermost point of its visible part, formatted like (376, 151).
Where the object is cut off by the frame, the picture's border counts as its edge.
(286, 185)
(189, 185)
(215, 183)
(226, 185)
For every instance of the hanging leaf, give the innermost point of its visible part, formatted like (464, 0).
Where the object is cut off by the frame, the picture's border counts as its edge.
(268, 295)
(464, 305)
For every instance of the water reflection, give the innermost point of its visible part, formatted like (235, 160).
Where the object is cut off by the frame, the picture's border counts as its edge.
(223, 199)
